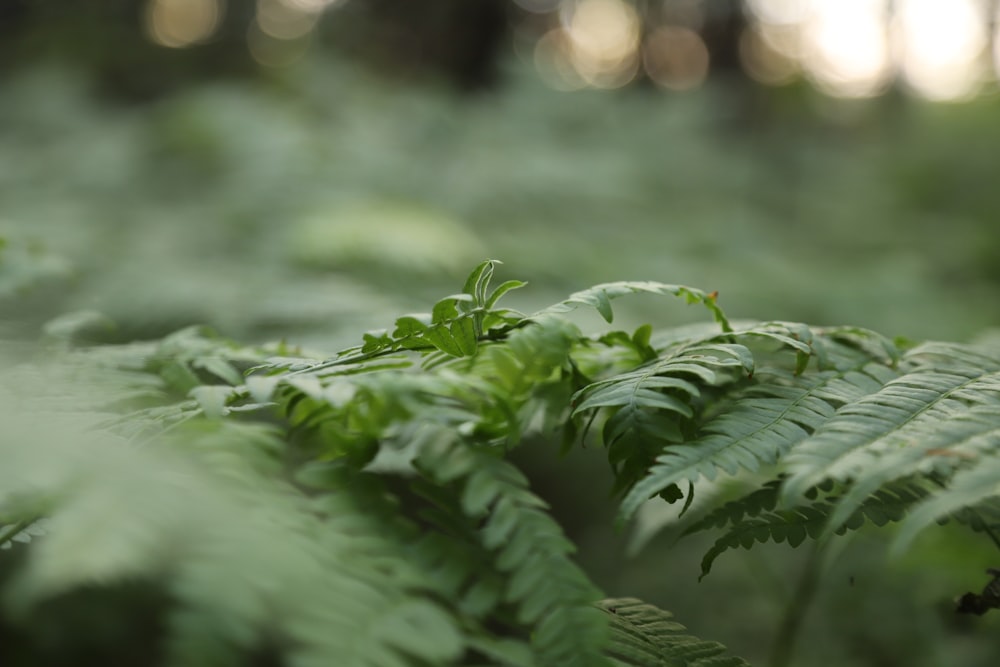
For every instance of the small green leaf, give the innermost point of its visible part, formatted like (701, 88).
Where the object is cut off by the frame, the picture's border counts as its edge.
(179, 376)
(504, 317)
(309, 385)
(478, 280)
(444, 310)
(502, 523)
(261, 387)
(603, 305)
(801, 361)
(410, 325)
(464, 332)
(443, 340)
(220, 368)
(420, 628)
(641, 336)
(483, 283)
(480, 492)
(375, 341)
(212, 399)
(502, 289)
(447, 308)
(481, 598)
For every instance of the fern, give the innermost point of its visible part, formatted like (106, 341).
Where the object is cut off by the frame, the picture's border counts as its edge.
(649, 637)
(655, 402)
(764, 418)
(548, 590)
(756, 519)
(942, 383)
(360, 508)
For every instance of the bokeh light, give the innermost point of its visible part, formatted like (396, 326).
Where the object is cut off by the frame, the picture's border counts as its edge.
(603, 40)
(553, 62)
(763, 61)
(854, 48)
(941, 46)
(675, 58)
(181, 23)
(283, 19)
(847, 49)
(780, 12)
(282, 30)
(996, 43)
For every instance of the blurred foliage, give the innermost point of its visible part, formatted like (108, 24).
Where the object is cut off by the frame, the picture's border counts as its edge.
(321, 202)
(222, 204)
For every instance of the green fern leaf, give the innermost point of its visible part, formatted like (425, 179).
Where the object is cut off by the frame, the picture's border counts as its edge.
(501, 290)
(447, 308)
(551, 593)
(360, 506)
(966, 489)
(754, 519)
(792, 526)
(644, 636)
(942, 384)
(478, 281)
(599, 297)
(757, 427)
(650, 402)
(955, 442)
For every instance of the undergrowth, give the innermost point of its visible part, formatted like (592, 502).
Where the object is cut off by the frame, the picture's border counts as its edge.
(361, 509)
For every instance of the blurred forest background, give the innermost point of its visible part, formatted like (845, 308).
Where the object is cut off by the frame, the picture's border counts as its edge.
(309, 169)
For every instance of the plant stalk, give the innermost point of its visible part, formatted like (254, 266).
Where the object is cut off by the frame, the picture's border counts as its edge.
(783, 646)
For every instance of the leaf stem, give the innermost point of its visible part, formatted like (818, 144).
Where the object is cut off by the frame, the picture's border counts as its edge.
(791, 623)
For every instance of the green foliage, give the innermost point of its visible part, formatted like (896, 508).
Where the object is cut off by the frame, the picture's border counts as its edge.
(361, 509)
(645, 635)
(297, 210)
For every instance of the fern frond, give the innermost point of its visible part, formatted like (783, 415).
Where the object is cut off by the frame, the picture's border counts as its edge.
(454, 327)
(550, 592)
(599, 297)
(650, 403)
(966, 489)
(645, 636)
(244, 551)
(754, 519)
(955, 442)
(941, 383)
(364, 500)
(758, 426)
